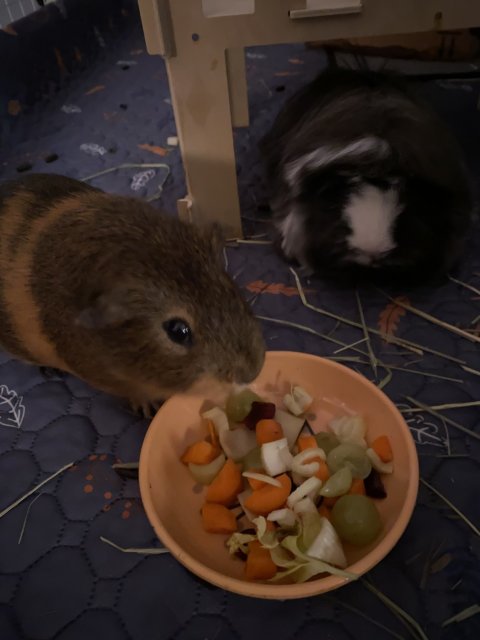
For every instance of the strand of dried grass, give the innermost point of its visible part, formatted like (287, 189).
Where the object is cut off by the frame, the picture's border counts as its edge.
(452, 423)
(383, 383)
(465, 285)
(128, 165)
(463, 615)
(415, 372)
(371, 354)
(302, 327)
(236, 241)
(32, 491)
(22, 531)
(350, 346)
(433, 319)
(443, 407)
(148, 551)
(461, 515)
(407, 344)
(411, 624)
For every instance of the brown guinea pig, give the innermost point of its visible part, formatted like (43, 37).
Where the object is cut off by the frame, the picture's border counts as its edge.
(105, 287)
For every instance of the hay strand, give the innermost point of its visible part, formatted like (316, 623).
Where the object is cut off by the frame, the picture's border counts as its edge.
(468, 522)
(452, 423)
(465, 285)
(34, 490)
(371, 354)
(148, 551)
(463, 615)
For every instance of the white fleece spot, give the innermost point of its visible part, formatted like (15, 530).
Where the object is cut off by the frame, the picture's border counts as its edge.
(325, 155)
(292, 234)
(371, 214)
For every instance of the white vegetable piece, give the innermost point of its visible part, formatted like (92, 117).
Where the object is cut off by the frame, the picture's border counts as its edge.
(305, 505)
(241, 499)
(262, 478)
(291, 404)
(284, 517)
(309, 488)
(377, 462)
(302, 398)
(276, 457)
(219, 419)
(307, 469)
(291, 426)
(350, 429)
(236, 443)
(327, 546)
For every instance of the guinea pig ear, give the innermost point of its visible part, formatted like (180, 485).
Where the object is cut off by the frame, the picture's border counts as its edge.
(106, 309)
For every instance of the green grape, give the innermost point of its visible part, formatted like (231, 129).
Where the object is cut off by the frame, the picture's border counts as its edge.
(351, 455)
(239, 405)
(326, 441)
(253, 459)
(356, 519)
(338, 484)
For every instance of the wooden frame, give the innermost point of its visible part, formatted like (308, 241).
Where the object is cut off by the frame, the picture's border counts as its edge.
(206, 71)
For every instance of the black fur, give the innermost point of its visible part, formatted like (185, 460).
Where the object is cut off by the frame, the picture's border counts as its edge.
(420, 161)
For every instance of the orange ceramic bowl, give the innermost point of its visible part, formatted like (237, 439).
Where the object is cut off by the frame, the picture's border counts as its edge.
(173, 506)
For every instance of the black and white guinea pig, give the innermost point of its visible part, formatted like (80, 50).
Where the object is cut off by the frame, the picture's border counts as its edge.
(366, 181)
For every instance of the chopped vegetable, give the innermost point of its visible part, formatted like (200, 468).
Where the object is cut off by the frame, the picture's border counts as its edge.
(219, 419)
(298, 401)
(259, 564)
(338, 484)
(253, 459)
(324, 511)
(241, 499)
(259, 411)
(227, 485)
(374, 486)
(308, 488)
(237, 443)
(218, 519)
(326, 441)
(377, 464)
(358, 487)
(352, 455)
(260, 479)
(383, 448)
(356, 520)
(306, 442)
(266, 532)
(291, 426)
(205, 473)
(327, 545)
(284, 517)
(268, 431)
(306, 463)
(238, 542)
(276, 457)
(239, 405)
(268, 498)
(201, 452)
(305, 505)
(212, 433)
(350, 429)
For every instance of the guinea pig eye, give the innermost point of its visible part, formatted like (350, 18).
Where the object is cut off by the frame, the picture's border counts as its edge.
(178, 331)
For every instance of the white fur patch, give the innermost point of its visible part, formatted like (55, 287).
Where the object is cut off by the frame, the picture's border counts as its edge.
(371, 214)
(325, 155)
(291, 231)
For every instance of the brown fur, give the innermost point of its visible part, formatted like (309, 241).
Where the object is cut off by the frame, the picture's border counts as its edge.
(87, 280)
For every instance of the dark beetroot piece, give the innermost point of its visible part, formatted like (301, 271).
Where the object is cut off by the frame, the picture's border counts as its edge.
(374, 486)
(259, 411)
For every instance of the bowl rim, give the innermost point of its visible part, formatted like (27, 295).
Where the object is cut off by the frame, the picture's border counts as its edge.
(287, 591)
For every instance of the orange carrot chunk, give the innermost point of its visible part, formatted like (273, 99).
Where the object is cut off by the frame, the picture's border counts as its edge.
(358, 487)
(227, 485)
(218, 519)
(201, 452)
(268, 498)
(212, 434)
(382, 448)
(259, 564)
(306, 442)
(254, 483)
(268, 431)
